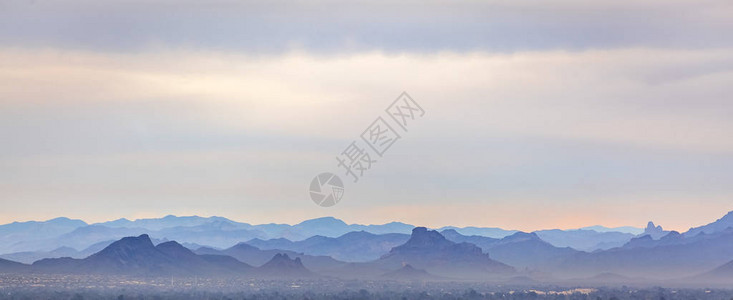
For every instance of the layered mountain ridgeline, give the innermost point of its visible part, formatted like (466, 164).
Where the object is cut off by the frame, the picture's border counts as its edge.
(358, 246)
(719, 225)
(522, 250)
(212, 231)
(8, 266)
(221, 233)
(432, 252)
(584, 239)
(254, 256)
(447, 254)
(137, 256)
(674, 255)
(429, 250)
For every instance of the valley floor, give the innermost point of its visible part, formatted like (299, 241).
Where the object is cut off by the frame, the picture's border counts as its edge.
(122, 287)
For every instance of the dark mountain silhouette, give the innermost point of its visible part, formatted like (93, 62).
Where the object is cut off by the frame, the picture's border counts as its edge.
(256, 257)
(408, 273)
(671, 256)
(719, 225)
(429, 250)
(202, 264)
(8, 266)
(356, 246)
(520, 249)
(138, 256)
(705, 250)
(208, 231)
(130, 255)
(219, 232)
(282, 266)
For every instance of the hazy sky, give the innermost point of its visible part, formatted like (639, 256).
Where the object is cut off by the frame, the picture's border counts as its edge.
(555, 114)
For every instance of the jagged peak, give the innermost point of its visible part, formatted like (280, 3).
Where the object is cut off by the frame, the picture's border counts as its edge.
(284, 259)
(651, 226)
(423, 236)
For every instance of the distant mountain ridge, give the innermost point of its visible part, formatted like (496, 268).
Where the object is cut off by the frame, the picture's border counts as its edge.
(328, 236)
(257, 257)
(670, 256)
(423, 255)
(719, 225)
(356, 246)
(430, 250)
(584, 239)
(16, 233)
(138, 256)
(521, 249)
(623, 229)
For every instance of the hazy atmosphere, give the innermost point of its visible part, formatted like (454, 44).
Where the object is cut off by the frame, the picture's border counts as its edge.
(538, 115)
(435, 149)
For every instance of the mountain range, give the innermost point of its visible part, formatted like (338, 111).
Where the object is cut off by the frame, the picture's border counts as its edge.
(138, 256)
(356, 246)
(219, 232)
(430, 250)
(254, 256)
(423, 254)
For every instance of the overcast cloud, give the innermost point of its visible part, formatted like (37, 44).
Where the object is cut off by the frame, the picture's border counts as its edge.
(601, 112)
